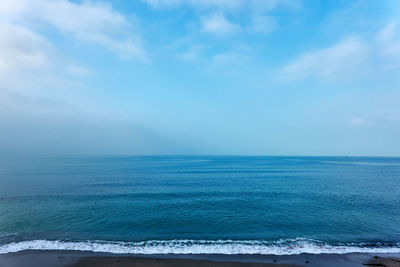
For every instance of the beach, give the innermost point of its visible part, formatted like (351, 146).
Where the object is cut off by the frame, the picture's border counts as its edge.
(33, 258)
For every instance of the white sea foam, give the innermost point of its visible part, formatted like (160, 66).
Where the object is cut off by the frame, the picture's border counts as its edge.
(281, 247)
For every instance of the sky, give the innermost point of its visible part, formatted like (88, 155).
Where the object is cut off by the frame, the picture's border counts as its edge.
(200, 77)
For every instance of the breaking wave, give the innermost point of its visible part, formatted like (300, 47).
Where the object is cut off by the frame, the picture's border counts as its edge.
(279, 247)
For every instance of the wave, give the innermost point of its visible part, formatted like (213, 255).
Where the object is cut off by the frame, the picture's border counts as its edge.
(361, 163)
(280, 247)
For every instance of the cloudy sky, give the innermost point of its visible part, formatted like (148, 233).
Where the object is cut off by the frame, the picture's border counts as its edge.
(252, 77)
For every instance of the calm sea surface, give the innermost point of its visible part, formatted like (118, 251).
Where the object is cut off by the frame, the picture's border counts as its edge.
(200, 204)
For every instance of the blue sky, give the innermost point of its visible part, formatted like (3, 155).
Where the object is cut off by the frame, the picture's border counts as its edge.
(239, 77)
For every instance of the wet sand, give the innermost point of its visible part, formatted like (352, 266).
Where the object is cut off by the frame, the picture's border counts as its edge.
(90, 259)
(382, 261)
(142, 262)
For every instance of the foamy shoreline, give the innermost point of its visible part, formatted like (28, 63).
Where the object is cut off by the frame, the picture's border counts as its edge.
(223, 247)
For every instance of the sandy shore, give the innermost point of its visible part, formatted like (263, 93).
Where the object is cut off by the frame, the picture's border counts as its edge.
(90, 259)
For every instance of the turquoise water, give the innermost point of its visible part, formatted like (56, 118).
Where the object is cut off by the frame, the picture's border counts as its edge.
(200, 204)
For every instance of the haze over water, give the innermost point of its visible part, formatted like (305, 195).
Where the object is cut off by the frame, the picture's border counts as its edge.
(200, 204)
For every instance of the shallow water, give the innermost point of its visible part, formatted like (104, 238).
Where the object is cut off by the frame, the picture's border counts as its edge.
(169, 204)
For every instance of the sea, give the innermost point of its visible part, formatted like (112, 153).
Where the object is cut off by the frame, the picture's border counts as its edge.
(200, 204)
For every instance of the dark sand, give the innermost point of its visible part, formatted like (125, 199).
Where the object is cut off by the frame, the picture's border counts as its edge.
(388, 262)
(136, 262)
(89, 259)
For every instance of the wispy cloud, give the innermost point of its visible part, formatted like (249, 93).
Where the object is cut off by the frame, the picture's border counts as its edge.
(340, 61)
(30, 56)
(260, 5)
(382, 117)
(227, 63)
(262, 24)
(388, 41)
(358, 121)
(92, 22)
(193, 53)
(349, 58)
(218, 24)
(21, 50)
(214, 18)
(39, 79)
(78, 70)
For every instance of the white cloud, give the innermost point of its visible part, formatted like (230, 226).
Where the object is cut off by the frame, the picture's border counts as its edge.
(193, 53)
(388, 41)
(263, 24)
(78, 70)
(88, 17)
(195, 3)
(349, 58)
(226, 63)
(224, 59)
(357, 121)
(29, 61)
(126, 49)
(383, 117)
(340, 61)
(32, 64)
(387, 33)
(162, 3)
(21, 49)
(259, 5)
(93, 22)
(218, 24)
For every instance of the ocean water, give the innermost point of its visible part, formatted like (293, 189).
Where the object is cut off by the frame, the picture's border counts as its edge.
(200, 204)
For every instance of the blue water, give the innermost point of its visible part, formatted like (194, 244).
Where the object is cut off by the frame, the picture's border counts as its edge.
(200, 204)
